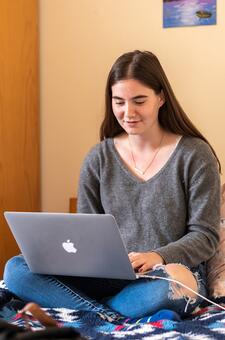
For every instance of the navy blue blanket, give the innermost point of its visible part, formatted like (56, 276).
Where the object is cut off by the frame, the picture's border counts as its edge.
(207, 322)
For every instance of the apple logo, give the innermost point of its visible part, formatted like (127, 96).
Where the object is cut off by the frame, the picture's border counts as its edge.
(69, 247)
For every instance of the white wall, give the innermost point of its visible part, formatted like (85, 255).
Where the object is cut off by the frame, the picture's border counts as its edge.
(79, 41)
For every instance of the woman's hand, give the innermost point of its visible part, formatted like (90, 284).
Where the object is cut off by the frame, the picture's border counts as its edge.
(142, 262)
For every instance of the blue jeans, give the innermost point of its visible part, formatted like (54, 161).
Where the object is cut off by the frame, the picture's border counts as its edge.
(109, 297)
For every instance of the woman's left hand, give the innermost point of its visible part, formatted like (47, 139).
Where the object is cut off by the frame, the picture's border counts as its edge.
(143, 262)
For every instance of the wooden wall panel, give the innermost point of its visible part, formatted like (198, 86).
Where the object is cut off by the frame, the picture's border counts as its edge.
(19, 115)
(73, 204)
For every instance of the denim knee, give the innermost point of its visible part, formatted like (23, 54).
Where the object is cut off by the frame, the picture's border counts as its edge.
(15, 270)
(151, 293)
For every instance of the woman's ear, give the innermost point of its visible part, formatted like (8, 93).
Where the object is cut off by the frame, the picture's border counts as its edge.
(161, 98)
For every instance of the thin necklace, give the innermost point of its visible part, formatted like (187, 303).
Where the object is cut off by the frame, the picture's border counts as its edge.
(142, 172)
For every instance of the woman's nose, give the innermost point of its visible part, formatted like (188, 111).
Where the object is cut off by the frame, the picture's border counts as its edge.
(129, 111)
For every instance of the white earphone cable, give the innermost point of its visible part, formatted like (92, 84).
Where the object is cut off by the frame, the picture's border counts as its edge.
(180, 283)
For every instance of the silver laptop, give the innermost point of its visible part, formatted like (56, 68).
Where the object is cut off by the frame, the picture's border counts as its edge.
(88, 245)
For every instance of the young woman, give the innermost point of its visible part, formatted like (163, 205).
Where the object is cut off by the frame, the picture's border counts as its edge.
(156, 173)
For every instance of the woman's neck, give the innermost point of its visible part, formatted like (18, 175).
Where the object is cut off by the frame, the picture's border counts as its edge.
(146, 141)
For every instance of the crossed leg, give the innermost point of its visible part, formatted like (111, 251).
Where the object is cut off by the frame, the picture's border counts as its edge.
(146, 296)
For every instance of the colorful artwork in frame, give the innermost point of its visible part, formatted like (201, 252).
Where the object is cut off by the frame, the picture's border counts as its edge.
(177, 13)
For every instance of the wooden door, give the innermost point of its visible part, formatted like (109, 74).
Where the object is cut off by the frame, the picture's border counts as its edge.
(19, 115)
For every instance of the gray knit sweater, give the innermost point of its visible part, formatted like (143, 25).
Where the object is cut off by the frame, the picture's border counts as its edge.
(175, 213)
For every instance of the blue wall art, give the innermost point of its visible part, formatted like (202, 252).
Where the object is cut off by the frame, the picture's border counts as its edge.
(177, 13)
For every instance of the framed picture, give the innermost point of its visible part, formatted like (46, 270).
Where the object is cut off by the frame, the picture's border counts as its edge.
(177, 13)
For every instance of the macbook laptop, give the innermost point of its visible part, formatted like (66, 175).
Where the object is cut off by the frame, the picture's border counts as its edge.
(88, 245)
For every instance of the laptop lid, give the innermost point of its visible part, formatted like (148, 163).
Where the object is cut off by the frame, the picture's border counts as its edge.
(88, 245)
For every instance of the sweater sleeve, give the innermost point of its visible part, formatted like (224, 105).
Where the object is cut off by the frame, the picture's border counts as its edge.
(89, 201)
(203, 212)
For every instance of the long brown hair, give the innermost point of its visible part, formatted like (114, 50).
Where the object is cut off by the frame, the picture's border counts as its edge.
(145, 67)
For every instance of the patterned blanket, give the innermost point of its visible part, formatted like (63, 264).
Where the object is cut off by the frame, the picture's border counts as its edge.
(207, 322)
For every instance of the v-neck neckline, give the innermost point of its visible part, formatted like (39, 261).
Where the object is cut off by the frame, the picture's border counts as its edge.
(132, 175)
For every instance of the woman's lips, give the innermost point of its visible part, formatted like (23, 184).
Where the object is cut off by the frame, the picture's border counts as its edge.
(133, 122)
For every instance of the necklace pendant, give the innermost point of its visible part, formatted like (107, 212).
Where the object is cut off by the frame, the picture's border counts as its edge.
(139, 171)
(143, 172)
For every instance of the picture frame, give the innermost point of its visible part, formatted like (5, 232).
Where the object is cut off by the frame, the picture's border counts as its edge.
(178, 13)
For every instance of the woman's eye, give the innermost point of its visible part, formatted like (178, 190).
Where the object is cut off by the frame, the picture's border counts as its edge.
(138, 102)
(119, 103)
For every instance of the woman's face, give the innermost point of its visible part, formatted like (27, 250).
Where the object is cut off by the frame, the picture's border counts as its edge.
(135, 106)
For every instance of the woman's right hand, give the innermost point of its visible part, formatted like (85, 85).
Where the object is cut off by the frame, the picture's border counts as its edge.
(143, 262)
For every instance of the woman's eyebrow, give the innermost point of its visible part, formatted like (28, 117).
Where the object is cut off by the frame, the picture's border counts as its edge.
(116, 97)
(136, 97)
(140, 96)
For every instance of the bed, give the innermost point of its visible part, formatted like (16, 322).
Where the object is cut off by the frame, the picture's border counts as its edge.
(206, 322)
